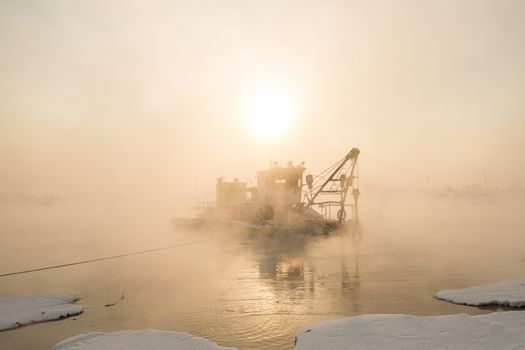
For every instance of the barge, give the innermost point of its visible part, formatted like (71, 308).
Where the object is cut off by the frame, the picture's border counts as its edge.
(284, 200)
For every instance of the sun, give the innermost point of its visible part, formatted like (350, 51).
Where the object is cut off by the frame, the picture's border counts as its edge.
(268, 112)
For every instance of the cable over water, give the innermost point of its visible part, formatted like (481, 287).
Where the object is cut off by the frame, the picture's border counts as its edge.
(101, 259)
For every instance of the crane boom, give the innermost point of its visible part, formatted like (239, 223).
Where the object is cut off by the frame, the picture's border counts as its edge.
(340, 180)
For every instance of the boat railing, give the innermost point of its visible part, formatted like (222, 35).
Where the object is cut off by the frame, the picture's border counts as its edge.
(329, 210)
(205, 205)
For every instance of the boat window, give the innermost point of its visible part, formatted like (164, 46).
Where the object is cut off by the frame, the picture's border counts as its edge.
(293, 182)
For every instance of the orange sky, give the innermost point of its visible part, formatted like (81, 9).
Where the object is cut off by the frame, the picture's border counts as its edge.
(146, 95)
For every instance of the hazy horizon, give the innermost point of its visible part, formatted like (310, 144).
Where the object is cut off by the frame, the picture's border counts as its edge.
(147, 96)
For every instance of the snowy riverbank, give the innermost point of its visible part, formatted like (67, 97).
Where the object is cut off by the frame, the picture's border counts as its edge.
(511, 293)
(138, 340)
(500, 330)
(20, 311)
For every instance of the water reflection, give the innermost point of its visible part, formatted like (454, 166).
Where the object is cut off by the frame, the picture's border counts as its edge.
(313, 274)
(350, 283)
(279, 256)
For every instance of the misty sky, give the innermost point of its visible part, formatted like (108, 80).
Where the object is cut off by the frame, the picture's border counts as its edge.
(120, 96)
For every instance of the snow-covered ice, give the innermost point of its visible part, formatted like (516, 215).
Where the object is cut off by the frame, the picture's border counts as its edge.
(511, 293)
(137, 340)
(19, 311)
(500, 330)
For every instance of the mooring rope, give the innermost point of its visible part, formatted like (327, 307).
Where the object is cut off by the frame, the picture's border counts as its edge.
(101, 259)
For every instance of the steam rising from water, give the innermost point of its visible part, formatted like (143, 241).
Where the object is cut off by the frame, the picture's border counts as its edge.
(252, 291)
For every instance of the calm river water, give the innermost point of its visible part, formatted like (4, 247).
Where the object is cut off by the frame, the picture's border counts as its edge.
(246, 290)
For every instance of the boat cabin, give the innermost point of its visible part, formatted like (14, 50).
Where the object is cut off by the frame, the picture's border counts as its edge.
(278, 190)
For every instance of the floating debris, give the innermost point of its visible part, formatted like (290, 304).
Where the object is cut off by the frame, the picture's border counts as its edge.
(119, 299)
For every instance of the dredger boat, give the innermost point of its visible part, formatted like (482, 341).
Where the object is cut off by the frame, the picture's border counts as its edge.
(285, 201)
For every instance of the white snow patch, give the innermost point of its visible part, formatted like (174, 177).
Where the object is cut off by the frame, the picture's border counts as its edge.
(500, 330)
(137, 340)
(510, 293)
(19, 311)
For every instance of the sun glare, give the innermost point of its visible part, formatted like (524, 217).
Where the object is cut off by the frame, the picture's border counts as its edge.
(268, 113)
